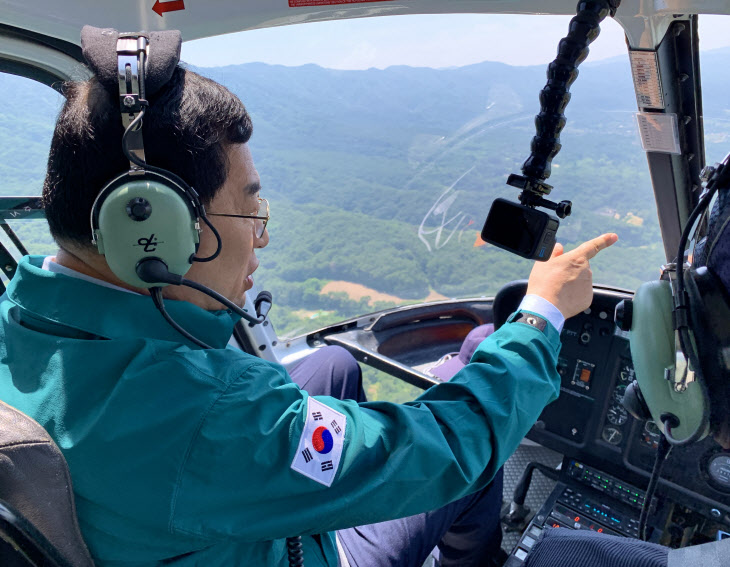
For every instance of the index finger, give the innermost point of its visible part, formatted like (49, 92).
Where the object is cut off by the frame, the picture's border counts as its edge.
(592, 247)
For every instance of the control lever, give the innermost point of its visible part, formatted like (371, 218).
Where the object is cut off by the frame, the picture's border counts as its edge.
(516, 518)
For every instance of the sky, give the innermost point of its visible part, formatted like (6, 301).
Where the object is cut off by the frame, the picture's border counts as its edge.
(451, 40)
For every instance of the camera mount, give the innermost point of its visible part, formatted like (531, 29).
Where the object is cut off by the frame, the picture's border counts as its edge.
(521, 228)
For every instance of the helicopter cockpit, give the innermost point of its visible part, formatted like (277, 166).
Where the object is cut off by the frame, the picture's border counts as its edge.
(380, 179)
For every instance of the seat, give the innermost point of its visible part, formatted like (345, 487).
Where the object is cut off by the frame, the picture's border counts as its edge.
(38, 525)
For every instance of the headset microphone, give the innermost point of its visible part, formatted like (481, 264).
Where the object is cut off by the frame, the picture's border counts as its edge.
(262, 304)
(154, 271)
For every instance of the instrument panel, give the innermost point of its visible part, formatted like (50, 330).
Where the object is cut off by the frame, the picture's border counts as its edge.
(589, 423)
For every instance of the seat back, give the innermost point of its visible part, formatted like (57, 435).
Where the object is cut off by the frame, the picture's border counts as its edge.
(21, 545)
(37, 510)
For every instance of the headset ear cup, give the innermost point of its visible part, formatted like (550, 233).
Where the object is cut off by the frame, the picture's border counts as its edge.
(141, 217)
(653, 349)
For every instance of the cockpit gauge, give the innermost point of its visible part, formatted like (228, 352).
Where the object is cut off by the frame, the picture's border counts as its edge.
(718, 467)
(617, 415)
(618, 394)
(626, 373)
(612, 435)
(651, 435)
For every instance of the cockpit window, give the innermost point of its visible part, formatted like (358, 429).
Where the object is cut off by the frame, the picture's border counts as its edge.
(715, 83)
(27, 117)
(380, 179)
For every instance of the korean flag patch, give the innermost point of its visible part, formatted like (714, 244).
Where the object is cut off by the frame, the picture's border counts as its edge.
(320, 446)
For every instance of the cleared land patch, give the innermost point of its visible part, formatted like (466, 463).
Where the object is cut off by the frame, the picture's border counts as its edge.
(357, 291)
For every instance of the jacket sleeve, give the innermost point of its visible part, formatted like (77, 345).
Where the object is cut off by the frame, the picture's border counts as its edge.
(238, 479)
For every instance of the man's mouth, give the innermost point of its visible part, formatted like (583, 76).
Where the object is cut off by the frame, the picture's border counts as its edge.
(249, 278)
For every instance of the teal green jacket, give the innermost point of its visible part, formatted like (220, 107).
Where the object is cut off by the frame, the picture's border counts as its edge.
(176, 451)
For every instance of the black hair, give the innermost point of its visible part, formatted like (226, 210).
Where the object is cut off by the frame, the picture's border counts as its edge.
(187, 128)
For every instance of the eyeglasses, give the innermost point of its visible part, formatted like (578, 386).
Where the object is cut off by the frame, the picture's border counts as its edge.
(261, 220)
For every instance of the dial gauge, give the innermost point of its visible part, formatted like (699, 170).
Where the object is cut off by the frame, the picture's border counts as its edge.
(612, 435)
(719, 469)
(626, 373)
(651, 435)
(618, 394)
(617, 415)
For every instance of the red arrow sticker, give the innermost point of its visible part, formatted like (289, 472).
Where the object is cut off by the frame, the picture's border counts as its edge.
(170, 6)
(303, 3)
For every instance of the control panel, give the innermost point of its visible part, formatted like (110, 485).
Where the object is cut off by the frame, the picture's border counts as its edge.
(589, 423)
(609, 455)
(585, 499)
(607, 484)
(575, 509)
(595, 368)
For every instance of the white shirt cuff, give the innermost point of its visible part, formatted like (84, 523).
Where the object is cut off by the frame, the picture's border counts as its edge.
(544, 309)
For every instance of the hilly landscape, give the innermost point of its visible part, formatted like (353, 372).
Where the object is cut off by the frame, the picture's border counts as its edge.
(383, 178)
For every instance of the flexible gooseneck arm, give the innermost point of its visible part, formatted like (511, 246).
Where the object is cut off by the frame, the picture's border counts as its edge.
(554, 97)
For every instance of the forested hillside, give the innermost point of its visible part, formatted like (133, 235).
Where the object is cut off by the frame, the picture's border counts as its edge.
(355, 160)
(384, 177)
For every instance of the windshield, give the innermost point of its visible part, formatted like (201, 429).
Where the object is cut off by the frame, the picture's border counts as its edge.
(715, 83)
(380, 179)
(381, 161)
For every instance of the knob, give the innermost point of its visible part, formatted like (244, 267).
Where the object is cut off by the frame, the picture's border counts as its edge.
(564, 209)
(139, 209)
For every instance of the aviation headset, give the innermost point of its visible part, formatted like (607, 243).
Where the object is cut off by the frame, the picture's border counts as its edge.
(146, 222)
(680, 328)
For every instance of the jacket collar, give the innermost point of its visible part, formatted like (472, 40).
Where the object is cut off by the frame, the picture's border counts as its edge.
(111, 313)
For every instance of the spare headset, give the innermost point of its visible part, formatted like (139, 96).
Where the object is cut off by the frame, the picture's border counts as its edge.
(679, 333)
(146, 222)
(679, 330)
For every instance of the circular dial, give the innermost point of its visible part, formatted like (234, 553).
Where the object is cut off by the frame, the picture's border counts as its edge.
(618, 394)
(719, 470)
(617, 415)
(612, 435)
(651, 435)
(626, 373)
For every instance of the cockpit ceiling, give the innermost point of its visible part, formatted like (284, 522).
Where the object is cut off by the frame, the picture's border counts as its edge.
(642, 19)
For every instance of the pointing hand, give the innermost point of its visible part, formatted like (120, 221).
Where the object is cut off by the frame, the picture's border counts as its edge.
(566, 280)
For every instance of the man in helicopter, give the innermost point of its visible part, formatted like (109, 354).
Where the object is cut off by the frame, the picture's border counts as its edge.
(185, 451)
